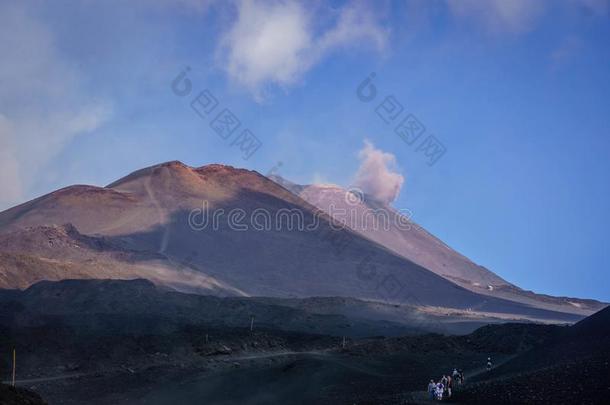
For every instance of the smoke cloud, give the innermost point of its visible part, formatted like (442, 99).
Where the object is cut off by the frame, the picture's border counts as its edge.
(44, 104)
(377, 175)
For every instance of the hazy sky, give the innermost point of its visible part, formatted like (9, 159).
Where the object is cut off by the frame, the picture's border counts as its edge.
(516, 92)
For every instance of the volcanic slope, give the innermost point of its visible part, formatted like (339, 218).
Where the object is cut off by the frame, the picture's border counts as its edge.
(159, 218)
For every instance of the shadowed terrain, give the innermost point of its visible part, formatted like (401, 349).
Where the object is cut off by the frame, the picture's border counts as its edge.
(130, 342)
(573, 366)
(18, 396)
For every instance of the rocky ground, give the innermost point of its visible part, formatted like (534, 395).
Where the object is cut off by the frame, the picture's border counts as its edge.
(581, 382)
(233, 365)
(571, 366)
(18, 396)
(97, 351)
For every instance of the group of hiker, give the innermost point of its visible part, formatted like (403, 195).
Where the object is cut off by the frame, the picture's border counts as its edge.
(447, 383)
(443, 388)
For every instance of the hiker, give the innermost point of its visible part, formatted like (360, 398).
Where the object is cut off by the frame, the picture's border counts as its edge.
(444, 383)
(461, 372)
(439, 391)
(489, 364)
(432, 389)
(449, 386)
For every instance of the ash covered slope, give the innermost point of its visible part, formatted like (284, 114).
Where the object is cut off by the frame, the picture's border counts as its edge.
(59, 252)
(141, 223)
(390, 228)
(573, 367)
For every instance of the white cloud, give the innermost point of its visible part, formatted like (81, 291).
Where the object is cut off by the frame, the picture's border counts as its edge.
(42, 105)
(377, 175)
(268, 43)
(355, 25)
(276, 42)
(513, 16)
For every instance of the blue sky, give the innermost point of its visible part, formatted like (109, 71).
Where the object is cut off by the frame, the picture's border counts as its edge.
(517, 92)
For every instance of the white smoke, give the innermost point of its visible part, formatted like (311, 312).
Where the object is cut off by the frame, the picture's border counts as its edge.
(377, 175)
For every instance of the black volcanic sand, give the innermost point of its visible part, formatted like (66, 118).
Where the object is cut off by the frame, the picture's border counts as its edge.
(264, 366)
(323, 378)
(572, 366)
(294, 368)
(99, 352)
(18, 396)
(583, 382)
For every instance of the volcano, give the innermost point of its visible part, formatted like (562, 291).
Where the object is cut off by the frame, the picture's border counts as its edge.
(226, 231)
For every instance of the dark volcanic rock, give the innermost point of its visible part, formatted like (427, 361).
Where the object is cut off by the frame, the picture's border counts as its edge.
(572, 366)
(18, 396)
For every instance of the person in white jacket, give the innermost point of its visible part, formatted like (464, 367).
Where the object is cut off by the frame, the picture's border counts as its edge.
(439, 391)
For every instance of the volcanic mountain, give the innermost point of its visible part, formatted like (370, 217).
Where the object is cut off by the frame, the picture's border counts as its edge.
(221, 230)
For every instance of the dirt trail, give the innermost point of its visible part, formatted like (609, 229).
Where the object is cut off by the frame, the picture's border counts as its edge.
(275, 354)
(217, 358)
(422, 397)
(45, 379)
